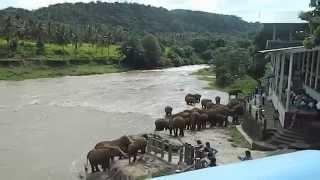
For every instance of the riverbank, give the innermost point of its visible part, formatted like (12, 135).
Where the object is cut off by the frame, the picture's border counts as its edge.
(17, 73)
(246, 84)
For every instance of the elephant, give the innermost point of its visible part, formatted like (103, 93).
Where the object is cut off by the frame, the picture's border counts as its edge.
(195, 121)
(237, 108)
(203, 120)
(197, 97)
(168, 110)
(177, 124)
(138, 143)
(186, 115)
(133, 152)
(204, 103)
(161, 124)
(236, 111)
(141, 142)
(197, 110)
(190, 100)
(118, 147)
(210, 105)
(218, 99)
(217, 116)
(98, 157)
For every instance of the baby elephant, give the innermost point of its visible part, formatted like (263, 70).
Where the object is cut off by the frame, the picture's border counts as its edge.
(137, 144)
(190, 100)
(204, 103)
(168, 110)
(98, 157)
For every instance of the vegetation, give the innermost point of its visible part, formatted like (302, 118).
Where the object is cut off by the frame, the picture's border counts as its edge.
(237, 138)
(32, 71)
(246, 83)
(128, 34)
(313, 17)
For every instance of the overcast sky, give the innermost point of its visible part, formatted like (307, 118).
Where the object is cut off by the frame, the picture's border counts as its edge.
(249, 10)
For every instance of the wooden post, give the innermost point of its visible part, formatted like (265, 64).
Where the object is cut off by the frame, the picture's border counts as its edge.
(162, 149)
(181, 155)
(191, 154)
(312, 67)
(170, 153)
(148, 146)
(317, 71)
(186, 152)
(289, 81)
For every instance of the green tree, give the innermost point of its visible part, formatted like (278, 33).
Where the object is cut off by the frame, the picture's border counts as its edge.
(133, 52)
(152, 50)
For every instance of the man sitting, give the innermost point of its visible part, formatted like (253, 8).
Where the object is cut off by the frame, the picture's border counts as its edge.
(247, 156)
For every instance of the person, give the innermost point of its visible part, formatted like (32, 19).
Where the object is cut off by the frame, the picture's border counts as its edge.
(199, 144)
(263, 98)
(213, 162)
(209, 150)
(247, 156)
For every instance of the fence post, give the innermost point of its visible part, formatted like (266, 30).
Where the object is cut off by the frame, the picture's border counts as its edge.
(148, 146)
(170, 154)
(186, 153)
(191, 154)
(181, 155)
(162, 149)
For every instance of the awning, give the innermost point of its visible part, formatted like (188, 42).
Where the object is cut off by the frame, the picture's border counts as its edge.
(302, 165)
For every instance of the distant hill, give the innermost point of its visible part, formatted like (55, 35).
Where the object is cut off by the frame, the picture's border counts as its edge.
(135, 17)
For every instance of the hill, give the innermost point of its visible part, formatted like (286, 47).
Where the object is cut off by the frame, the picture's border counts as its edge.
(134, 17)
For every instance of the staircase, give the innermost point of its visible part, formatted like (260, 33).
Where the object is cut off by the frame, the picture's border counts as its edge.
(282, 139)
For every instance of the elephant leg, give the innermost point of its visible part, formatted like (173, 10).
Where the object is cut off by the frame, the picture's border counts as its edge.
(170, 131)
(135, 157)
(225, 122)
(176, 131)
(104, 167)
(181, 132)
(143, 150)
(129, 159)
(92, 168)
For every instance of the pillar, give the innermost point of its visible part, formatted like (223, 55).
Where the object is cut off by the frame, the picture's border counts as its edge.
(307, 68)
(289, 81)
(317, 71)
(312, 67)
(303, 62)
(283, 59)
(277, 72)
(274, 34)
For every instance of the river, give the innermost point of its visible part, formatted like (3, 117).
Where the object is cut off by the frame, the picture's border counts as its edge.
(48, 125)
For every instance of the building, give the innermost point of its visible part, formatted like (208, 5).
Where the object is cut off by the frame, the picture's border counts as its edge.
(289, 119)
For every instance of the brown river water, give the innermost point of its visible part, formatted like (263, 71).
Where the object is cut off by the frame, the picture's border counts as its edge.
(48, 125)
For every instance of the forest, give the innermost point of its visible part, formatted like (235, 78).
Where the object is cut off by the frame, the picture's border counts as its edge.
(126, 35)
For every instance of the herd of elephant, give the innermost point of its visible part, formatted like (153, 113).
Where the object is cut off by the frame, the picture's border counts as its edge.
(211, 113)
(105, 152)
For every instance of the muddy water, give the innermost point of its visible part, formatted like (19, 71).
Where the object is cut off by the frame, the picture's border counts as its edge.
(48, 125)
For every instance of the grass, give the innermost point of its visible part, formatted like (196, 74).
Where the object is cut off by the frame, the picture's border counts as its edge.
(35, 71)
(246, 84)
(27, 49)
(237, 138)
